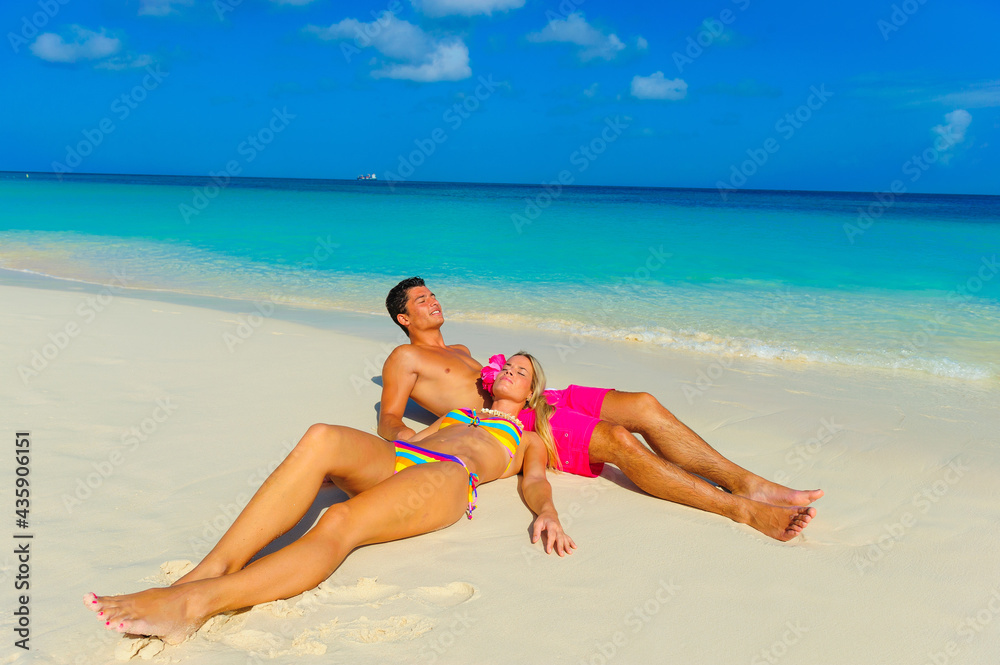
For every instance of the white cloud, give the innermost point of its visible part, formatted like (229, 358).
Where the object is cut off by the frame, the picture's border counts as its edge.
(83, 44)
(420, 57)
(984, 94)
(389, 35)
(656, 86)
(591, 91)
(641, 43)
(129, 61)
(574, 29)
(952, 132)
(465, 7)
(448, 62)
(161, 7)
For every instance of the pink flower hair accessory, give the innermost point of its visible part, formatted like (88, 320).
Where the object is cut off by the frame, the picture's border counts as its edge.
(490, 371)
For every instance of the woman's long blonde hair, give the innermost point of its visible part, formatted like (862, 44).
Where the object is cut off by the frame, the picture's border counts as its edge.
(543, 410)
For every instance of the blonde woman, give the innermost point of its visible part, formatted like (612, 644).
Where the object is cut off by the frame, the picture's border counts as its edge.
(461, 450)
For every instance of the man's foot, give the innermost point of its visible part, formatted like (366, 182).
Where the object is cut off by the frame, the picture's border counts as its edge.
(165, 613)
(780, 522)
(765, 491)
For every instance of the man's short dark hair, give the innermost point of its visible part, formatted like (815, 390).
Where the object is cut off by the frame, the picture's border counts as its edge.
(395, 302)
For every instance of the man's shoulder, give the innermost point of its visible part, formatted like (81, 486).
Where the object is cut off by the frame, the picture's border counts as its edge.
(415, 351)
(411, 355)
(414, 357)
(403, 355)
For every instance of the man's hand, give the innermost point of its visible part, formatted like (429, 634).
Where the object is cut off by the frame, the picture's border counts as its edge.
(404, 434)
(555, 538)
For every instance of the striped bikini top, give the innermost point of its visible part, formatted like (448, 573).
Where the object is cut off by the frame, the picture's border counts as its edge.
(507, 430)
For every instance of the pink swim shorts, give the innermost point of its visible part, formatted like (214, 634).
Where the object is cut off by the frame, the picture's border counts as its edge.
(578, 410)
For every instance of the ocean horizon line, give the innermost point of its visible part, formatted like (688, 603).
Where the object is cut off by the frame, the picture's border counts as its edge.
(237, 181)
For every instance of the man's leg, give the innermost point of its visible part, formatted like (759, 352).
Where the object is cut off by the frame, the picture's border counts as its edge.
(354, 460)
(677, 443)
(661, 478)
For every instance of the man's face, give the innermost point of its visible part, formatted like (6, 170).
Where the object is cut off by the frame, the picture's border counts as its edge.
(423, 311)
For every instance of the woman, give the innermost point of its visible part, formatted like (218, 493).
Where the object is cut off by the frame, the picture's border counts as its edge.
(388, 487)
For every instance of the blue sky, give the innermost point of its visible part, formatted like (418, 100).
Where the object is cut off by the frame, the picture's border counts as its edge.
(741, 93)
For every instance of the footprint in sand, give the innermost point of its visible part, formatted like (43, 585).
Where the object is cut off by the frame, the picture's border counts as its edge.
(263, 643)
(223, 624)
(392, 629)
(310, 642)
(143, 647)
(368, 591)
(283, 609)
(170, 572)
(448, 595)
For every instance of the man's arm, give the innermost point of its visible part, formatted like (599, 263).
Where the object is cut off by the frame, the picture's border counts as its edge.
(427, 431)
(398, 378)
(537, 493)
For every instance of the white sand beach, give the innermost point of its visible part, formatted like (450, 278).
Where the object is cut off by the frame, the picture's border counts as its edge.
(152, 423)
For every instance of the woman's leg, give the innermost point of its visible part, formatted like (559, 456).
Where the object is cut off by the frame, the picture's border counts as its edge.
(354, 460)
(417, 500)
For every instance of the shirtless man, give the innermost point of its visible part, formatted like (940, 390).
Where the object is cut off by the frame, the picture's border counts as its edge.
(595, 426)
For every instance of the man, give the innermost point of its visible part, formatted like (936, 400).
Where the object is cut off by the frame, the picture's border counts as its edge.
(591, 426)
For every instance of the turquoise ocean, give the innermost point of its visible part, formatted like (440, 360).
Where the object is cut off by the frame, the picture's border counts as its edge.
(854, 279)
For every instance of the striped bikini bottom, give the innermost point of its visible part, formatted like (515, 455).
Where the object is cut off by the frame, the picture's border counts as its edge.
(408, 455)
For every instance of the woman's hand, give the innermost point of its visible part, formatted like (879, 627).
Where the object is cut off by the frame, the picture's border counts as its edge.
(555, 538)
(537, 495)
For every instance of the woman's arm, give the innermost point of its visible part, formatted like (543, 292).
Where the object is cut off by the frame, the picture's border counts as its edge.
(537, 494)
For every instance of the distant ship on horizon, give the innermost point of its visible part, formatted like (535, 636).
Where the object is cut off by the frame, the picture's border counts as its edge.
(367, 176)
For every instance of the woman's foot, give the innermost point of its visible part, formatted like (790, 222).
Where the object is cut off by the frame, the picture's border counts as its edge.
(168, 613)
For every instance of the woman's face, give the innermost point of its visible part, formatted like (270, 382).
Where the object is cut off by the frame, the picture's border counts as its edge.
(514, 380)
